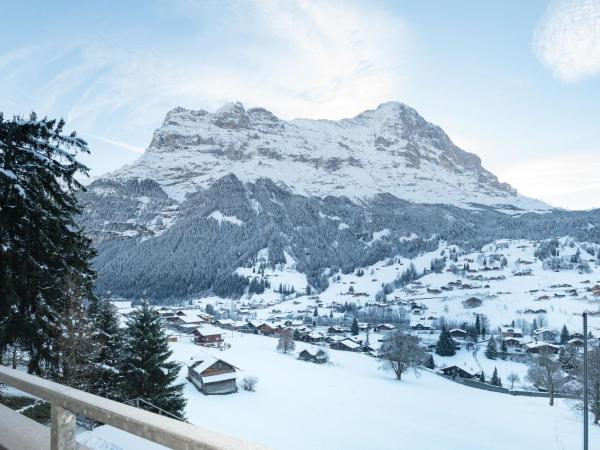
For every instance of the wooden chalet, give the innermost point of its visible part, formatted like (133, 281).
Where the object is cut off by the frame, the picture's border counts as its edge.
(213, 376)
(458, 333)
(347, 345)
(511, 332)
(544, 334)
(335, 329)
(314, 356)
(472, 302)
(542, 347)
(313, 336)
(185, 323)
(267, 329)
(513, 342)
(209, 336)
(576, 342)
(383, 327)
(422, 325)
(454, 371)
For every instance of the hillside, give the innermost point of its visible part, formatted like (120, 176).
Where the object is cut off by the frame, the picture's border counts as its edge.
(213, 190)
(348, 402)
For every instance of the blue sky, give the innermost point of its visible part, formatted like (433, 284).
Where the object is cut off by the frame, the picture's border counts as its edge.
(516, 82)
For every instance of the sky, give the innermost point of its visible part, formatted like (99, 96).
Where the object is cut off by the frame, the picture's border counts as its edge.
(516, 82)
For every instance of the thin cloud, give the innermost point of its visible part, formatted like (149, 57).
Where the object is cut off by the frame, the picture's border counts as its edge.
(567, 39)
(299, 59)
(568, 181)
(123, 145)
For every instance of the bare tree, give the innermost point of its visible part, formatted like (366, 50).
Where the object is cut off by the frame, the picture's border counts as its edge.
(593, 383)
(513, 378)
(401, 352)
(286, 341)
(76, 343)
(249, 384)
(545, 371)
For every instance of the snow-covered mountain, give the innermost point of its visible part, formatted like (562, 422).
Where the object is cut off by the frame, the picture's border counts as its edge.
(391, 149)
(216, 192)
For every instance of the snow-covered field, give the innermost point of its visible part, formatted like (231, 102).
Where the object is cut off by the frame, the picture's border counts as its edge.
(352, 404)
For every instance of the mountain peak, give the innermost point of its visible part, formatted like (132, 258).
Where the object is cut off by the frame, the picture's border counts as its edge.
(390, 149)
(231, 116)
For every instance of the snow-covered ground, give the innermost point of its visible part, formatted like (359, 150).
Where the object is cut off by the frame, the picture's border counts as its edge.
(352, 404)
(506, 296)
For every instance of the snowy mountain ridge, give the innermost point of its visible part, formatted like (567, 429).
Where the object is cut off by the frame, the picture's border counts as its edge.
(390, 149)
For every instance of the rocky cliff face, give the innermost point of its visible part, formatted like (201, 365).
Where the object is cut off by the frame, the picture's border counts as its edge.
(391, 149)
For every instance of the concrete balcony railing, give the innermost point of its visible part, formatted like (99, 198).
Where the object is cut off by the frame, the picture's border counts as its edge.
(18, 432)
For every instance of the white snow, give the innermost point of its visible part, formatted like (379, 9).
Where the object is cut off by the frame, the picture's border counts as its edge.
(220, 217)
(357, 157)
(351, 404)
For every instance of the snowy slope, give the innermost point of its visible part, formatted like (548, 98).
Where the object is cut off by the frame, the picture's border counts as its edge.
(391, 149)
(506, 296)
(351, 404)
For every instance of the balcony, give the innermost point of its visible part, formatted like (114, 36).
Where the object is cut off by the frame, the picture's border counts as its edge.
(18, 432)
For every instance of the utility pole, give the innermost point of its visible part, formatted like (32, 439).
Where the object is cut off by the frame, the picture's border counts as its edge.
(585, 382)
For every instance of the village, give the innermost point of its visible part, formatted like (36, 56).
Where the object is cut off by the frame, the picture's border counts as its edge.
(479, 319)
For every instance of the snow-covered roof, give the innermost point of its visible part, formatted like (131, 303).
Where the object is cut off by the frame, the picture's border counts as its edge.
(208, 330)
(226, 321)
(219, 377)
(514, 330)
(542, 344)
(468, 370)
(313, 352)
(350, 343)
(205, 361)
(121, 304)
(544, 330)
(190, 319)
(191, 326)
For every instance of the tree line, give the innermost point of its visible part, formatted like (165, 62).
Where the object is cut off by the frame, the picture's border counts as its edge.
(51, 323)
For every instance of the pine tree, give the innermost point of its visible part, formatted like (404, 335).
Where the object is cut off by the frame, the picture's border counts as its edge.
(503, 349)
(482, 377)
(445, 344)
(316, 312)
(108, 337)
(429, 362)
(570, 359)
(491, 351)
(43, 252)
(76, 344)
(146, 370)
(564, 335)
(495, 380)
(354, 328)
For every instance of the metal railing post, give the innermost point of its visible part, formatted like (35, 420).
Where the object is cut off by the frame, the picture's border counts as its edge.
(585, 381)
(62, 433)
